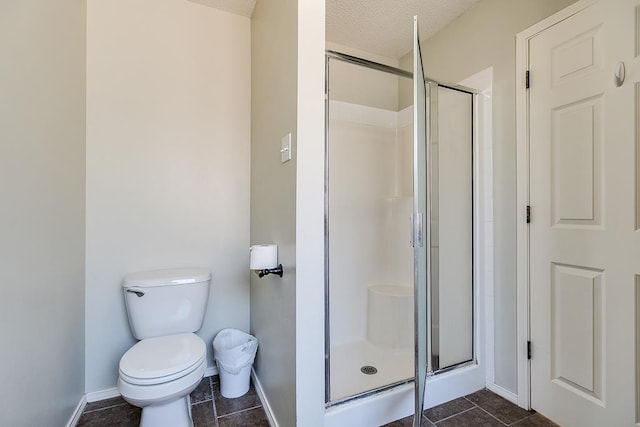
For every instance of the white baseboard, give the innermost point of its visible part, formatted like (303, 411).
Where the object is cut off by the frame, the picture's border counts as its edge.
(77, 413)
(107, 393)
(211, 371)
(265, 403)
(503, 392)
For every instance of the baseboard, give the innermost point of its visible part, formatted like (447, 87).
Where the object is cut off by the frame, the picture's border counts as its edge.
(503, 392)
(77, 413)
(107, 393)
(265, 403)
(211, 371)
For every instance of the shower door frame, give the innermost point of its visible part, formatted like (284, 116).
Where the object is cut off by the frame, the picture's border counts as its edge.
(432, 84)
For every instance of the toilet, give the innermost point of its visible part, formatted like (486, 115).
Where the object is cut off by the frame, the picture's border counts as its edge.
(165, 308)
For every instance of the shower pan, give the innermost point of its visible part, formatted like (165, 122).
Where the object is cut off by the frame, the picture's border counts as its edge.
(399, 249)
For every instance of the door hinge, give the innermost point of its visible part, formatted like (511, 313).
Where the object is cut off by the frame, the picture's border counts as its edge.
(528, 350)
(528, 214)
(527, 81)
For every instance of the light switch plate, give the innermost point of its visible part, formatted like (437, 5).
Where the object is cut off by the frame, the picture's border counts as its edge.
(285, 148)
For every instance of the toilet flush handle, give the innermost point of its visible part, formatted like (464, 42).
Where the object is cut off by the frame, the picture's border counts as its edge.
(139, 292)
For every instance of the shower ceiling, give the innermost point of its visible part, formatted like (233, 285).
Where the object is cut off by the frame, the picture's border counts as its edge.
(385, 27)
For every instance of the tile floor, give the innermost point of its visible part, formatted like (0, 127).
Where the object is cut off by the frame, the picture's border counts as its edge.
(210, 409)
(480, 409)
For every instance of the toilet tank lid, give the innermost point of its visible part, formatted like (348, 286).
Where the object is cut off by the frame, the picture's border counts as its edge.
(174, 276)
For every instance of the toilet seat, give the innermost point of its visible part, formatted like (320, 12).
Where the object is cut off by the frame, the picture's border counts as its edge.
(162, 359)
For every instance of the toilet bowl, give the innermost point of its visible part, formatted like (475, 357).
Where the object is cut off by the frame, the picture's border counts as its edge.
(165, 308)
(157, 374)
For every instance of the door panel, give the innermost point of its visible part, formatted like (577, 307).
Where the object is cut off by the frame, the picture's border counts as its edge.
(584, 248)
(451, 238)
(577, 341)
(443, 197)
(576, 156)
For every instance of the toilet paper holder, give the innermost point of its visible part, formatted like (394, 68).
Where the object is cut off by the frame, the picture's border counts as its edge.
(264, 260)
(265, 271)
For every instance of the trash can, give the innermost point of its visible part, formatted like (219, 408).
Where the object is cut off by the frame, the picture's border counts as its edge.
(234, 352)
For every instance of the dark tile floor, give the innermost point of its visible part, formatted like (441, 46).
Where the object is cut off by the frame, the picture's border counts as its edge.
(480, 409)
(208, 409)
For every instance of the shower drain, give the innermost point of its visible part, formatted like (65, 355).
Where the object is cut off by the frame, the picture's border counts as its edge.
(369, 370)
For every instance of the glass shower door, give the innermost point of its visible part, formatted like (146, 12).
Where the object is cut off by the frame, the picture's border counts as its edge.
(443, 229)
(397, 312)
(369, 199)
(421, 219)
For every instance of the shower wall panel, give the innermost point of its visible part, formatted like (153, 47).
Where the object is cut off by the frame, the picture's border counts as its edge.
(370, 200)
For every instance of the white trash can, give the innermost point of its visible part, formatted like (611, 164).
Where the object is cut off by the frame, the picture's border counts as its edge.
(234, 352)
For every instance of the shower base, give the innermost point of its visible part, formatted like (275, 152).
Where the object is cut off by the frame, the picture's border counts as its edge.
(347, 379)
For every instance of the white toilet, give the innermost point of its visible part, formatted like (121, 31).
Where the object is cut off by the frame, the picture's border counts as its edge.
(165, 308)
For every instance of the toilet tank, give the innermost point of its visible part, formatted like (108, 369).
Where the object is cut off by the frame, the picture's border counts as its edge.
(165, 302)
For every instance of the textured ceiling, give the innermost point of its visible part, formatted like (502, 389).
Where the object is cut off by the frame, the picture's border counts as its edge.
(239, 7)
(385, 27)
(382, 27)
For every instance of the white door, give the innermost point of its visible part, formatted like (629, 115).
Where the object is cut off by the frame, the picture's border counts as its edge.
(585, 223)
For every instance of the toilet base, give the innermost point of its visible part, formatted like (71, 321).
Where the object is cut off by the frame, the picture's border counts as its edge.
(164, 403)
(175, 413)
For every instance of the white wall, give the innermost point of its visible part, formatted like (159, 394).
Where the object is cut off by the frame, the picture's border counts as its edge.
(484, 37)
(310, 215)
(42, 164)
(168, 116)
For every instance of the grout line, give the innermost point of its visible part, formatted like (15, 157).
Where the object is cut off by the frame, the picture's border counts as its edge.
(241, 411)
(431, 423)
(504, 423)
(470, 401)
(194, 403)
(493, 416)
(473, 405)
(453, 416)
(522, 419)
(213, 402)
(105, 407)
(215, 415)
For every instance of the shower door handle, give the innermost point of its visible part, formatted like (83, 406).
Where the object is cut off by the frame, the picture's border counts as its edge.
(412, 232)
(419, 230)
(418, 227)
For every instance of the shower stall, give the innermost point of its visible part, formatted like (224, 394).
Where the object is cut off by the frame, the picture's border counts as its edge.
(369, 205)
(399, 213)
